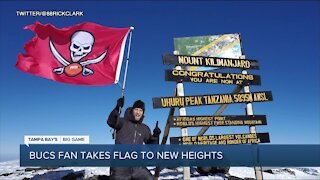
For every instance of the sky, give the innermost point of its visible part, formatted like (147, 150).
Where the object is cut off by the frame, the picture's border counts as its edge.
(283, 36)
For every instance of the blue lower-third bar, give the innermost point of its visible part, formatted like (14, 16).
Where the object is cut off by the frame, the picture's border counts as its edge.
(169, 155)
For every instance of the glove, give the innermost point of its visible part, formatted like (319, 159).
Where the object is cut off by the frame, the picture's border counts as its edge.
(120, 103)
(157, 130)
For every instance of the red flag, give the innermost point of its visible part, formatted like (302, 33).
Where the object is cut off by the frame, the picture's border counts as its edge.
(87, 53)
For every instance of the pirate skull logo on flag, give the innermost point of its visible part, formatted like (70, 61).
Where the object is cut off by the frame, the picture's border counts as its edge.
(81, 45)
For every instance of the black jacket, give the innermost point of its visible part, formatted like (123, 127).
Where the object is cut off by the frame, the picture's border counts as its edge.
(130, 131)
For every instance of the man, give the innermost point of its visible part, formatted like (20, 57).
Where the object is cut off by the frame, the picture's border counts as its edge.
(131, 130)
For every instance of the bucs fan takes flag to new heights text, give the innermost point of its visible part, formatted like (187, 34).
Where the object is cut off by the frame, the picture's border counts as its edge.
(87, 53)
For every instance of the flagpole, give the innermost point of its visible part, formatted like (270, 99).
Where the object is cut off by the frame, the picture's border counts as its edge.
(125, 75)
(127, 62)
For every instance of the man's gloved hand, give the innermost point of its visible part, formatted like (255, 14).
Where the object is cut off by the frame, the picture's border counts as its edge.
(120, 103)
(157, 130)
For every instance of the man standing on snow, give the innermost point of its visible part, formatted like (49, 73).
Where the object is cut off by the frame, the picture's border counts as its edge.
(131, 130)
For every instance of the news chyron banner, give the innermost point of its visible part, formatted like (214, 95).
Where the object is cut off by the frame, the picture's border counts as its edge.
(173, 155)
(251, 138)
(231, 120)
(224, 45)
(184, 60)
(211, 99)
(212, 77)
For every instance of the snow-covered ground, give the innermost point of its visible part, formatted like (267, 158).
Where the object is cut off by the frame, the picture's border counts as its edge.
(11, 170)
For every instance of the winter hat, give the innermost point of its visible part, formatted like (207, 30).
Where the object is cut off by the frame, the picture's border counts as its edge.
(139, 104)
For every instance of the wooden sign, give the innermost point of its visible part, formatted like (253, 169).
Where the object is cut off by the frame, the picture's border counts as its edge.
(212, 77)
(200, 121)
(211, 99)
(169, 59)
(251, 138)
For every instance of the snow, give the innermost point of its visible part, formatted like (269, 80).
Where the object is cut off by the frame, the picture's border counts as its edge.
(11, 170)
(248, 172)
(242, 172)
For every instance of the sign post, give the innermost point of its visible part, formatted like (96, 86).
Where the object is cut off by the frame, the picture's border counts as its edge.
(205, 47)
(182, 112)
(194, 58)
(249, 111)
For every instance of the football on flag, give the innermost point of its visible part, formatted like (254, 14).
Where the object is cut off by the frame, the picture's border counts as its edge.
(87, 53)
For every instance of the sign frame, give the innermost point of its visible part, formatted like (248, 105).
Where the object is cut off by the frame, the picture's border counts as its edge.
(204, 61)
(214, 77)
(211, 99)
(222, 139)
(213, 121)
